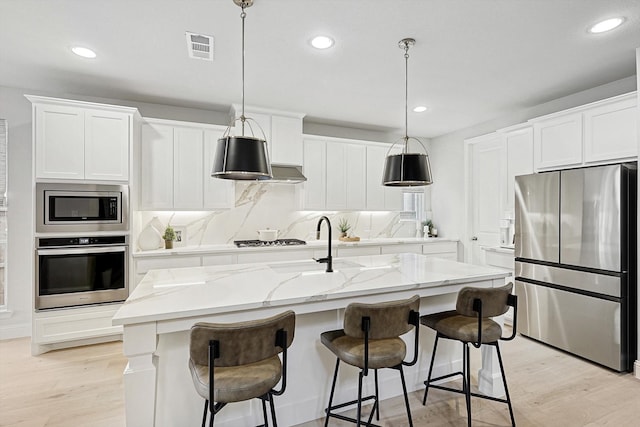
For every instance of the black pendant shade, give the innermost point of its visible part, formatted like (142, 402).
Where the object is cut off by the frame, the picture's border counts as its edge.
(241, 158)
(407, 170)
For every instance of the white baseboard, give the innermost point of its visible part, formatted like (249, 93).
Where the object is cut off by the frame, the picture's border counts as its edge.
(636, 369)
(20, 330)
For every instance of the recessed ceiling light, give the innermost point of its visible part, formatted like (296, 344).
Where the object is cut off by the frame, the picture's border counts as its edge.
(83, 51)
(420, 109)
(322, 42)
(606, 25)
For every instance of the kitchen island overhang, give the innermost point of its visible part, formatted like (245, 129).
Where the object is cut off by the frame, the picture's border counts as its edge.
(163, 307)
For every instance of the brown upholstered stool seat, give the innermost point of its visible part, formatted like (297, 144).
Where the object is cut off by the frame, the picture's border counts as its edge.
(383, 353)
(237, 383)
(462, 328)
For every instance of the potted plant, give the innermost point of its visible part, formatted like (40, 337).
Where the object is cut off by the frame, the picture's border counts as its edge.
(169, 236)
(343, 226)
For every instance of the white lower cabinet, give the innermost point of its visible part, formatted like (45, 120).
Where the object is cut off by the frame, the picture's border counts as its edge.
(274, 256)
(446, 250)
(402, 248)
(358, 251)
(81, 325)
(222, 259)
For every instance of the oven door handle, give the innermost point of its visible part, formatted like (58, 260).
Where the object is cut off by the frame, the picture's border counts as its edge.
(80, 251)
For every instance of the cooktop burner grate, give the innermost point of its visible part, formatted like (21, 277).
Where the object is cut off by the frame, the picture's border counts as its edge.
(277, 242)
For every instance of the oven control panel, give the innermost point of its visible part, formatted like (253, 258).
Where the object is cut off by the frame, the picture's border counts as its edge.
(57, 242)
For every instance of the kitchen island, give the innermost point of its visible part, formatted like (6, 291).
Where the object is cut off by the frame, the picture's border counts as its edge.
(163, 307)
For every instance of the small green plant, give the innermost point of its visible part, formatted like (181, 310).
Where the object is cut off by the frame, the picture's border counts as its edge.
(169, 234)
(344, 225)
(427, 223)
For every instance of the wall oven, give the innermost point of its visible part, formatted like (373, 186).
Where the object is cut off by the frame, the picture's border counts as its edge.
(81, 207)
(73, 271)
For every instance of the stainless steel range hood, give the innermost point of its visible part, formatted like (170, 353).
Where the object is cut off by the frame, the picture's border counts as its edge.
(287, 174)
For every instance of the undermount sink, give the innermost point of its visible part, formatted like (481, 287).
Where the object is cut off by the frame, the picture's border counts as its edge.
(302, 266)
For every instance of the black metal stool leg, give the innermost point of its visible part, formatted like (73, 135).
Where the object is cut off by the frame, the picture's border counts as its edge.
(273, 410)
(359, 411)
(428, 381)
(264, 412)
(506, 390)
(467, 370)
(406, 398)
(333, 388)
(204, 414)
(375, 374)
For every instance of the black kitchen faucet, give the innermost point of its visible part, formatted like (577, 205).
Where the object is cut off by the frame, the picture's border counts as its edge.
(328, 260)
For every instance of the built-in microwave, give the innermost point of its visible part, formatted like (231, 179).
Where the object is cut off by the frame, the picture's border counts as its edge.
(82, 208)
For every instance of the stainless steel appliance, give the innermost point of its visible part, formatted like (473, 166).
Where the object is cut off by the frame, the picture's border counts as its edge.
(259, 243)
(83, 208)
(72, 271)
(576, 269)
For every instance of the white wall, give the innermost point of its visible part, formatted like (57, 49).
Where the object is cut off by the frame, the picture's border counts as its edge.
(447, 153)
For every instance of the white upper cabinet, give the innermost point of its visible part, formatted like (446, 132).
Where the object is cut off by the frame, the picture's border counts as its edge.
(175, 167)
(81, 140)
(282, 129)
(611, 131)
(346, 175)
(218, 193)
(601, 132)
(519, 144)
(558, 141)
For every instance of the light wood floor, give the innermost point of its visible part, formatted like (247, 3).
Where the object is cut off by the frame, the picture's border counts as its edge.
(83, 387)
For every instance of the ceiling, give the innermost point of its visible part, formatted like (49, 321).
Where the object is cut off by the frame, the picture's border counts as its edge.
(473, 60)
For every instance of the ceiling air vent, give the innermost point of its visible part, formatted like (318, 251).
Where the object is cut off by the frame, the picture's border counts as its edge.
(200, 46)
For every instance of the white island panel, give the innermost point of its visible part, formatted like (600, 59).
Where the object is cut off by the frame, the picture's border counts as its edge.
(167, 303)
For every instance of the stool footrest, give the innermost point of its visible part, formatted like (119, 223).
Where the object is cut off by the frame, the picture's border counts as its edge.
(352, 402)
(353, 420)
(455, 390)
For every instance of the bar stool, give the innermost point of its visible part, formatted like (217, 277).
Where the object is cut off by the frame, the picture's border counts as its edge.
(245, 362)
(371, 340)
(470, 323)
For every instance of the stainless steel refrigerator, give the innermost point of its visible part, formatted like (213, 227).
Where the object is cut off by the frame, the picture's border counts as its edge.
(575, 248)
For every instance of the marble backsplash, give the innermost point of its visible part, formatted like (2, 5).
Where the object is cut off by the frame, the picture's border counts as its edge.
(266, 205)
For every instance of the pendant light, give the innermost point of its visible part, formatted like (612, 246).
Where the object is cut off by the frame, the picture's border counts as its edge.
(242, 157)
(407, 169)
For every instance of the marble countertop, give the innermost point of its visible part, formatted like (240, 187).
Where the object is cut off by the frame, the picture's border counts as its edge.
(197, 291)
(312, 244)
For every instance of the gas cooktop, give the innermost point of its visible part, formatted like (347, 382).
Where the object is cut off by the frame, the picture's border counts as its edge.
(278, 242)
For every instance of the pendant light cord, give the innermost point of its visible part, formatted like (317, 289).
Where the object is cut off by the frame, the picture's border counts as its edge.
(406, 96)
(242, 117)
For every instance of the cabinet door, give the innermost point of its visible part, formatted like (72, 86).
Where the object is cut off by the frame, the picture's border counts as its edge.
(356, 171)
(106, 145)
(286, 140)
(375, 167)
(336, 176)
(188, 176)
(156, 168)
(611, 131)
(314, 163)
(519, 160)
(59, 142)
(392, 195)
(557, 141)
(218, 193)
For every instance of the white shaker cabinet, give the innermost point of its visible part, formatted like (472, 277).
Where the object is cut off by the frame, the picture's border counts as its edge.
(519, 143)
(380, 197)
(286, 140)
(81, 140)
(156, 168)
(558, 141)
(175, 167)
(314, 166)
(611, 131)
(346, 176)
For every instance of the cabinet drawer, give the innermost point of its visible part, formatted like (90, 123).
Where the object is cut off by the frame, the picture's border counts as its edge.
(401, 248)
(68, 325)
(289, 255)
(223, 259)
(498, 259)
(359, 251)
(146, 264)
(440, 247)
(449, 256)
